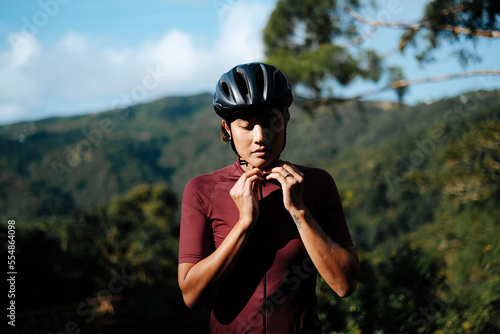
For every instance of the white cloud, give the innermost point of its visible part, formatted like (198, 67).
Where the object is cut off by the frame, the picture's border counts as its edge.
(19, 91)
(242, 33)
(73, 43)
(80, 73)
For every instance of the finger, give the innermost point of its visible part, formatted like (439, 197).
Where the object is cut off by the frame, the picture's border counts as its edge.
(288, 165)
(275, 164)
(278, 177)
(255, 188)
(253, 180)
(252, 183)
(254, 171)
(245, 183)
(284, 172)
(245, 176)
(291, 167)
(297, 174)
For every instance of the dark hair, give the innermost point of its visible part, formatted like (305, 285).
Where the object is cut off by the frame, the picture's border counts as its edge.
(224, 136)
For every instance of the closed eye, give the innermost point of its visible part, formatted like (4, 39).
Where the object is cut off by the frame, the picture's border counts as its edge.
(245, 125)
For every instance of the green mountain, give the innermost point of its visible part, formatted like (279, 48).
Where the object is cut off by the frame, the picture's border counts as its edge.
(53, 166)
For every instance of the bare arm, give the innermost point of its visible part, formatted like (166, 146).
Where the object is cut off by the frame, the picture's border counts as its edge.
(338, 266)
(199, 281)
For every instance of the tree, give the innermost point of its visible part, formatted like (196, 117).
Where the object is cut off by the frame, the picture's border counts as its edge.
(445, 21)
(395, 285)
(300, 37)
(134, 230)
(318, 44)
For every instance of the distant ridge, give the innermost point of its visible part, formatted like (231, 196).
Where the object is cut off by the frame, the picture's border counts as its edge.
(54, 166)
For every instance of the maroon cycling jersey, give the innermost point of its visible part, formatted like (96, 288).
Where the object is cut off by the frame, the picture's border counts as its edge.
(272, 288)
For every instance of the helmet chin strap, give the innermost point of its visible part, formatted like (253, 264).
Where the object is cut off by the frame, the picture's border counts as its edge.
(240, 160)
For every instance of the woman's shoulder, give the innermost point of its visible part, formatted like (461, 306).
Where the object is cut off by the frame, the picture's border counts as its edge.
(212, 178)
(314, 172)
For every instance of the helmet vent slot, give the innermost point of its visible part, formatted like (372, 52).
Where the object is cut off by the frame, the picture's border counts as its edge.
(277, 80)
(259, 80)
(241, 82)
(225, 88)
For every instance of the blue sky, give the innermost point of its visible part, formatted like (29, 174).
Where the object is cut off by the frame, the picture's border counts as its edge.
(70, 57)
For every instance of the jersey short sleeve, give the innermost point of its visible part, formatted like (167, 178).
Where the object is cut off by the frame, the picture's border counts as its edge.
(328, 206)
(195, 240)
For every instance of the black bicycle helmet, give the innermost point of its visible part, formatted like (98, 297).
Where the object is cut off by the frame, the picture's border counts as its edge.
(251, 86)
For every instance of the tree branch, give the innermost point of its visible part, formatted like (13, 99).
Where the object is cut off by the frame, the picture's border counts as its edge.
(468, 31)
(417, 25)
(395, 85)
(360, 18)
(405, 83)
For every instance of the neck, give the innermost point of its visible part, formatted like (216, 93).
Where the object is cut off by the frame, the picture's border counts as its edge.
(246, 166)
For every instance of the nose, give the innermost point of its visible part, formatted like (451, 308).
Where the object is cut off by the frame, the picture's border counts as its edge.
(259, 135)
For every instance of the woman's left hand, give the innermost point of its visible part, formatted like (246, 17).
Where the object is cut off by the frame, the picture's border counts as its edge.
(292, 183)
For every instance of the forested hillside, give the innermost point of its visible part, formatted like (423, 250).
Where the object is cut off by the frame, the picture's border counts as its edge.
(99, 194)
(53, 166)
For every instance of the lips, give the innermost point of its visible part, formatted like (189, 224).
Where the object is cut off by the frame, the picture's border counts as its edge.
(261, 151)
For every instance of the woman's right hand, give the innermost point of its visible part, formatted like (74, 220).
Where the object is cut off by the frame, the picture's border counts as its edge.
(245, 194)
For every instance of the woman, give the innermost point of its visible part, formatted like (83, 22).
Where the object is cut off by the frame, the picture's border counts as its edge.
(254, 234)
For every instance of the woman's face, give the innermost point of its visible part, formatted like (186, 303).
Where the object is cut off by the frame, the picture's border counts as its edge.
(258, 138)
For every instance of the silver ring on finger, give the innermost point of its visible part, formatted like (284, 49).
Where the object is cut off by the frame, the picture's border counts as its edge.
(287, 175)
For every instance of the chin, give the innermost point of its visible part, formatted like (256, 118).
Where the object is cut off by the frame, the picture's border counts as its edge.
(261, 164)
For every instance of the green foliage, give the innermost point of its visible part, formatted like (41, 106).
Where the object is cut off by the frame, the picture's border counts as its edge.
(467, 240)
(431, 261)
(136, 230)
(301, 24)
(396, 75)
(54, 166)
(317, 43)
(126, 248)
(444, 277)
(419, 187)
(443, 21)
(387, 298)
(299, 39)
(473, 163)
